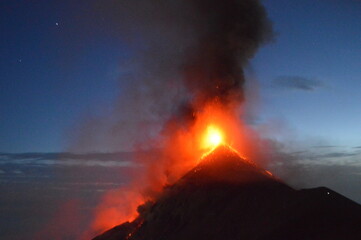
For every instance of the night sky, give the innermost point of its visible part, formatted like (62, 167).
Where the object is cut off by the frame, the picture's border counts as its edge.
(55, 70)
(59, 65)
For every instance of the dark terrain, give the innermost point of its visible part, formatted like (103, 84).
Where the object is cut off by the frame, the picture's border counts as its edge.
(226, 197)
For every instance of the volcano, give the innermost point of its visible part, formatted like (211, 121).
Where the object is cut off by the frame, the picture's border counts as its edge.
(226, 197)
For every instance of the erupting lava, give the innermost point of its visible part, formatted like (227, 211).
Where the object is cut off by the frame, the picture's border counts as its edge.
(213, 137)
(214, 126)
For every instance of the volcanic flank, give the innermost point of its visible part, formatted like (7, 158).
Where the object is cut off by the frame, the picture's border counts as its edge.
(227, 197)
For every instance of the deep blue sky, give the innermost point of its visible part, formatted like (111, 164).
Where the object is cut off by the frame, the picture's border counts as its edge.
(57, 69)
(319, 41)
(50, 77)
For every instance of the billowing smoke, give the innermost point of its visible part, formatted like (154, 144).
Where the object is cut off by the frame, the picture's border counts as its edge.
(231, 31)
(187, 55)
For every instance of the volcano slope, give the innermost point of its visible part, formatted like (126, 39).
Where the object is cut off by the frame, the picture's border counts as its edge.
(228, 198)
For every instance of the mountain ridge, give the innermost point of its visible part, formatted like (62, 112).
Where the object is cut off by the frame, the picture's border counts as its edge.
(227, 197)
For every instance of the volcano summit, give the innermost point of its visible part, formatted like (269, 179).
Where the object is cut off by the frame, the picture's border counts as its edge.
(226, 197)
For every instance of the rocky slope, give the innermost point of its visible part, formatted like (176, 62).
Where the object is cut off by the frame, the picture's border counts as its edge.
(226, 197)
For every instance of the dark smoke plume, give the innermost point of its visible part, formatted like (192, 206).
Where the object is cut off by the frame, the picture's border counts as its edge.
(231, 33)
(185, 54)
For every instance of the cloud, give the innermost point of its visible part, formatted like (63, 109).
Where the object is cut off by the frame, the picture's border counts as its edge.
(338, 155)
(325, 146)
(297, 83)
(67, 155)
(18, 172)
(322, 156)
(116, 159)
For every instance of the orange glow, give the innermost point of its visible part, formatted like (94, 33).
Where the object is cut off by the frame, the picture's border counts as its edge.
(181, 148)
(117, 206)
(212, 138)
(213, 125)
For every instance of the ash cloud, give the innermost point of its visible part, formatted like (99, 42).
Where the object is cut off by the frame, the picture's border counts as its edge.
(231, 31)
(185, 54)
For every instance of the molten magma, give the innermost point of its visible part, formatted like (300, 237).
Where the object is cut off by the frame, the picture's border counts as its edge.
(213, 137)
(211, 126)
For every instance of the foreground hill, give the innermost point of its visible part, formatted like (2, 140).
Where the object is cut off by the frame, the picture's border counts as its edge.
(226, 197)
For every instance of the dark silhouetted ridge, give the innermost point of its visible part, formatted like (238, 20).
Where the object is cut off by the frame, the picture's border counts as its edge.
(226, 197)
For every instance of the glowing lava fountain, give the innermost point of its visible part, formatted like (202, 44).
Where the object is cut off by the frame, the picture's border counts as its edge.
(213, 137)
